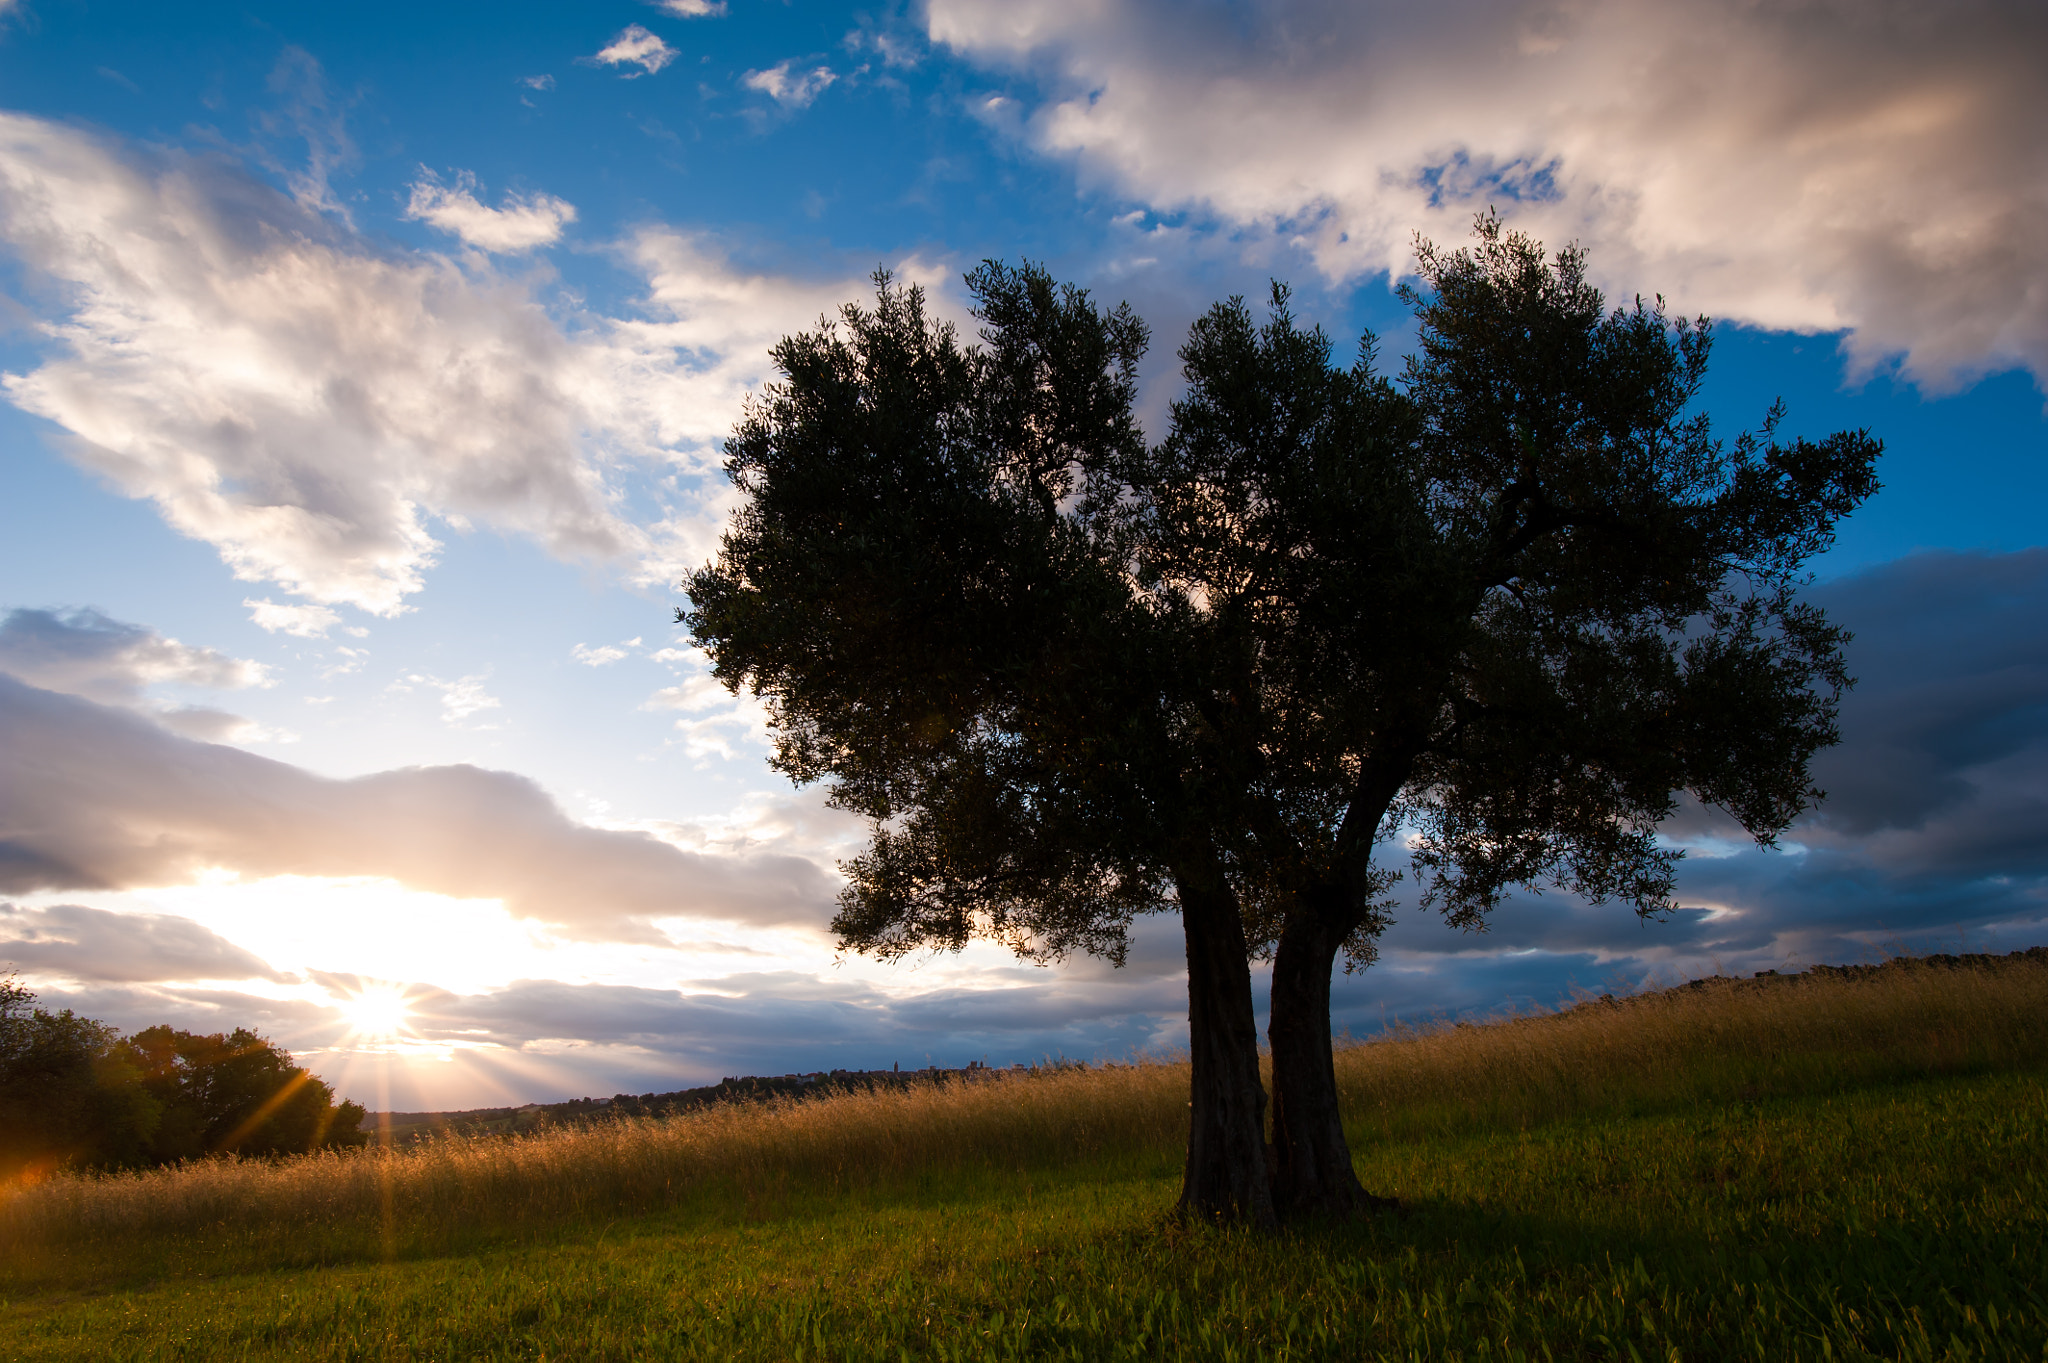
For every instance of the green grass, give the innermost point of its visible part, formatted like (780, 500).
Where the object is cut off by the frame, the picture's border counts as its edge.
(1858, 1212)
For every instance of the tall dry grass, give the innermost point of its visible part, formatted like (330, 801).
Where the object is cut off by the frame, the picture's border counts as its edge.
(1055, 1116)
(1712, 1041)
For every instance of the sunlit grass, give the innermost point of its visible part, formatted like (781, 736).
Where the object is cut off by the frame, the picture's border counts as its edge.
(1826, 1168)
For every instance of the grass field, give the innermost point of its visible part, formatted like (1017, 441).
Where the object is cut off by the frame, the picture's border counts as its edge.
(1802, 1168)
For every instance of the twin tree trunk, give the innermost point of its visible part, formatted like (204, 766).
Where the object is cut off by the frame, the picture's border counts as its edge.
(1226, 1172)
(1232, 1175)
(1311, 1163)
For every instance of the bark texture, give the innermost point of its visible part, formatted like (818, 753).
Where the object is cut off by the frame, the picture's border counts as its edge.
(1226, 1177)
(1312, 1171)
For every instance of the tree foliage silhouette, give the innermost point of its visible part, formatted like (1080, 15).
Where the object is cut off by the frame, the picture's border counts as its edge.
(75, 1093)
(1507, 610)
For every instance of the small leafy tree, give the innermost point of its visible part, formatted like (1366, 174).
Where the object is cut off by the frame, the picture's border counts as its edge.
(1511, 605)
(75, 1093)
(237, 1093)
(70, 1091)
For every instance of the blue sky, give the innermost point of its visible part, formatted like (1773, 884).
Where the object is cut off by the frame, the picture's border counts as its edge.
(365, 370)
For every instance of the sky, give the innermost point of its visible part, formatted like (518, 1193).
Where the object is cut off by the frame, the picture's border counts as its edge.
(363, 372)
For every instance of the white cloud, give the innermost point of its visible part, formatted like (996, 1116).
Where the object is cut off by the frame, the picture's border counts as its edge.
(894, 47)
(540, 82)
(686, 366)
(1805, 166)
(693, 9)
(635, 46)
(714, 719)
(352, 660)
(525, 222)
(305, 622)
(280, 390)
(460, 699)
(792, 89)
(311, 404)
(597, 657)
(85, 653)
(208, 725)
(698, 693)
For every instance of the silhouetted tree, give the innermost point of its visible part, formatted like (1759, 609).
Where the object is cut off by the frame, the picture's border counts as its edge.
(70, 1092)
(1511, 618)
(237, 1093)
(74, 1093)
(1511, 606)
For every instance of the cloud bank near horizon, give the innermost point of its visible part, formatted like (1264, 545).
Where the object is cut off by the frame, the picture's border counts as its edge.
(1864, 168)
(98, 798)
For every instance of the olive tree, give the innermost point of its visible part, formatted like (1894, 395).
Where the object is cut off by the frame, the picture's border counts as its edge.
(1502, 613)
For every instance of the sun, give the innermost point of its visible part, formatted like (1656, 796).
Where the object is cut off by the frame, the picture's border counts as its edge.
(377, 1012)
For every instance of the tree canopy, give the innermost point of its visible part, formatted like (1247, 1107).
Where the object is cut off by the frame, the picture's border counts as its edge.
(75, 1093)
(1509, 608)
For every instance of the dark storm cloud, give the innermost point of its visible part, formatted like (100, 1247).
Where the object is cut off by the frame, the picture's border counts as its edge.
(1944, 760)
(1934, 832)
(97, 798)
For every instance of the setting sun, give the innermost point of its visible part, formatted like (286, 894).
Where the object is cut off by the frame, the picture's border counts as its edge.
(377, 1011)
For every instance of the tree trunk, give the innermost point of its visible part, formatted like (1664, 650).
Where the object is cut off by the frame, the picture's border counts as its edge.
(1226, 1179)
(1311, 1159)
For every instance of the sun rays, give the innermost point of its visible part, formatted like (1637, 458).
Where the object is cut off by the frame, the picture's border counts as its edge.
(377, 1011)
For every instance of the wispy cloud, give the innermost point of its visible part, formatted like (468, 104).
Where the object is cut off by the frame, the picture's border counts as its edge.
(602, 655)
(692, 9)
(301, 621)
(789, 87)
(309, 403)
(635, 46)
(311, 113)
(280, 390)
(714, 720)
(525, 221)
(460, 699)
